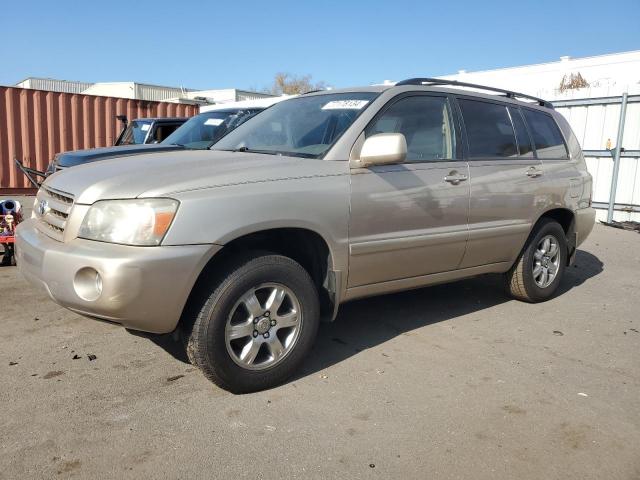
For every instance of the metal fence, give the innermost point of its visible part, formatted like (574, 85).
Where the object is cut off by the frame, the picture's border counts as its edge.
(609, 131)
(37, 124)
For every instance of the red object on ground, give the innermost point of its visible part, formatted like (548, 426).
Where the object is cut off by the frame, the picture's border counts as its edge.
(8, 241)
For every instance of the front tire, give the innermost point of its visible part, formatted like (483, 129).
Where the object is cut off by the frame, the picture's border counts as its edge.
(255, 327)
(539, 269)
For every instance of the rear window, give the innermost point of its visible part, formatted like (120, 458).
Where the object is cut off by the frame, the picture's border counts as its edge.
(135, 133)
(489, 129)
(546, 135)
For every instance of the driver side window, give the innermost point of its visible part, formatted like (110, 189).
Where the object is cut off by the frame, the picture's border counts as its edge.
(425, 123)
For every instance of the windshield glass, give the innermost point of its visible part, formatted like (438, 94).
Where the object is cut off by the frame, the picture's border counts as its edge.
(202, 131)
(135, 133)
(305, 126)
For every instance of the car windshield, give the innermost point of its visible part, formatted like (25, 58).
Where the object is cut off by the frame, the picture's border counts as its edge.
(202, 131)
(305, 126)
(135, 133)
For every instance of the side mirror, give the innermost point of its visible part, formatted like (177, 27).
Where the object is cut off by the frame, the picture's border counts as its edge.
(382, 149)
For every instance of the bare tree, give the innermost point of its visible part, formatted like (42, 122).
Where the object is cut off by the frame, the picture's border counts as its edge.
(572, 82)
(288, 84)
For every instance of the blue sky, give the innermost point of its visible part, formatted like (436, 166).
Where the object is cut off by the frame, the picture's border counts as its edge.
(219, 44)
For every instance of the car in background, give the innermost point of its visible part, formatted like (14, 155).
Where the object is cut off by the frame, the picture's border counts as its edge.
(198, 132)
(143, 131)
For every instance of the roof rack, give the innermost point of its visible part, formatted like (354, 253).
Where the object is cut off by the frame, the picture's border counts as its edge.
(455, 83)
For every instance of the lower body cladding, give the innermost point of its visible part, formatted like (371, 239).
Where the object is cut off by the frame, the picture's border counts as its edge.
(142, 288)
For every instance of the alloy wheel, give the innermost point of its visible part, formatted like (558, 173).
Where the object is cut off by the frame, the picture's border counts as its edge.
(263, 326)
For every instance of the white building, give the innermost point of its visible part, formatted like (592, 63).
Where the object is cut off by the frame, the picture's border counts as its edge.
(138, 91)
(606, 76)
(143, 91)
(53, 85)
(225, 95)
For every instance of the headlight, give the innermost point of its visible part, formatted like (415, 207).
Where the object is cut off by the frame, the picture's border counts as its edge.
(141, 222)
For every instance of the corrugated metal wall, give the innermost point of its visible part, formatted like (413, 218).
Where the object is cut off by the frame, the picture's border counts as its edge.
(37, 124)
(157, 93)
(596, 126)
(54, 85)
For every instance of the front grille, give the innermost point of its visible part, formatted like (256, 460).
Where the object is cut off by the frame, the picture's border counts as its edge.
(53, 207)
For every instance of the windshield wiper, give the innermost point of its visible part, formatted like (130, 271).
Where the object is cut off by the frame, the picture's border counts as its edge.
(248, 150)
(181, 145)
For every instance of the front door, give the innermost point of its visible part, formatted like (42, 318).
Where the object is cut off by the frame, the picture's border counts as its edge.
(410, 220)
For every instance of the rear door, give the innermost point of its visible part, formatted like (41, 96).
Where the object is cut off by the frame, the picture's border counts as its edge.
(505, 179)
(562, 178)
(410, 220)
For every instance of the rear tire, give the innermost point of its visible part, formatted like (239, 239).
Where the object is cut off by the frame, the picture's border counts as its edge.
(254, 327)
(539, 269)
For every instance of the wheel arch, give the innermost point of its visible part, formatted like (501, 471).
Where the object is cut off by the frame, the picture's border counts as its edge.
(564, 216)
(307, 247)
(567, 220)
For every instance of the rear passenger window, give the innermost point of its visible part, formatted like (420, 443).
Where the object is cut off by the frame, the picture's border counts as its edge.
(489, 129)
(522, 136)
(425, 123)
(546, 135)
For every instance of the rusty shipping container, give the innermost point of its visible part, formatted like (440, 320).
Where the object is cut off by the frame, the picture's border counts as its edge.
(37, 124)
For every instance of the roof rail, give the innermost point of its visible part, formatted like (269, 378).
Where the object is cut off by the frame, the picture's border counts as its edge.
(455, 83)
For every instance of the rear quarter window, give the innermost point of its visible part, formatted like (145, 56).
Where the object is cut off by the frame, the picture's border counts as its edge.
(546, 135)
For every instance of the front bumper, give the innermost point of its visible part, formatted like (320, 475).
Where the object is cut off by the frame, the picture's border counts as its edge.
(143, 288)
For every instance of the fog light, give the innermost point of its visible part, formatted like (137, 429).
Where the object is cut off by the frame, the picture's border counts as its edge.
(88, 284)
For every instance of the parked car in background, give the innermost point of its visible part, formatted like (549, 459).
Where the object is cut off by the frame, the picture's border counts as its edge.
(319, 200)
(198, 132)
(148, 130)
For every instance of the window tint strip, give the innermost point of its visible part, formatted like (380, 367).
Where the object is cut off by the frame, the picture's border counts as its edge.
(525, 148)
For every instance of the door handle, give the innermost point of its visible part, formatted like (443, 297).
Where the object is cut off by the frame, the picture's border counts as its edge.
(455, 178)
(533, 172)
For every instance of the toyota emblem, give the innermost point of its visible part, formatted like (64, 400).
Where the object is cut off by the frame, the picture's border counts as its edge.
(43, 207)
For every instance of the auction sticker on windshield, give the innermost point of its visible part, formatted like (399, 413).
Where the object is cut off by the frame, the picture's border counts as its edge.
(345, 104)
(214, 121)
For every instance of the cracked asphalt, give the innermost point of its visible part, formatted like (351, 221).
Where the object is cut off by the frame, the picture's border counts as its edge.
(452, 381)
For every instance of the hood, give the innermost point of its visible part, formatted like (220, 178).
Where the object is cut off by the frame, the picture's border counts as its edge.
(164, 174)
(78, 157)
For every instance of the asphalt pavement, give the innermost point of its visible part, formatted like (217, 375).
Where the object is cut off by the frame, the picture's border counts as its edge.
(452, 381)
